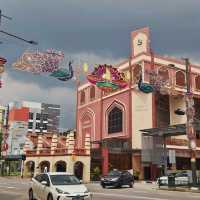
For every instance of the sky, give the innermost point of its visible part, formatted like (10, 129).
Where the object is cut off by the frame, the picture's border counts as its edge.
(92, 31)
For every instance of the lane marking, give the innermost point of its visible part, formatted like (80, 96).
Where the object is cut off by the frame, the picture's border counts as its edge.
(8, 187)
(128, 196)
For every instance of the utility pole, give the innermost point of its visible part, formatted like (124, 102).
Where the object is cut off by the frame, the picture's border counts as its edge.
(190, 130)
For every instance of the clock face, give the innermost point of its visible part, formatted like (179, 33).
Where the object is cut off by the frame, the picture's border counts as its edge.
(139, 42)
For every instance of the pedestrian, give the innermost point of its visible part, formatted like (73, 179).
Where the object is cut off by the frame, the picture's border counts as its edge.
(7, 170)
(45, 169)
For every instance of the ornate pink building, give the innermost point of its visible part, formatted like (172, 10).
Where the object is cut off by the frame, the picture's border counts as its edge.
(114, 120)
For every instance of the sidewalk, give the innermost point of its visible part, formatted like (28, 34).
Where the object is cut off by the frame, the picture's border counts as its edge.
(180, 189)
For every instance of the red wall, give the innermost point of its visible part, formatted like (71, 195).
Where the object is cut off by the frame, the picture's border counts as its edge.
(21, 114)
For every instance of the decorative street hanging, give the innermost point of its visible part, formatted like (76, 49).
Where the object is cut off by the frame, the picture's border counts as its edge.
(2, 63)
(49, 62)
(107, 78)
(145, 87)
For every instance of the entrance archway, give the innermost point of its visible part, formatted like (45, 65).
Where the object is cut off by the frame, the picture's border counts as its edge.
(78, 170)
(43, 165)
(29, 168)
(60, 166)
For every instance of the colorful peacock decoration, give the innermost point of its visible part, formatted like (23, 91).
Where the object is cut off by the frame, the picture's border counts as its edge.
(49, 62)
(145, 87)
(107, 78)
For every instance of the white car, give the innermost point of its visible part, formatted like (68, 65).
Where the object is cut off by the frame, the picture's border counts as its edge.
(57, 186)
(181, 178)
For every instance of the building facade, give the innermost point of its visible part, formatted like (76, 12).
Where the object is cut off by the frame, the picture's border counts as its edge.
(58, 154)
(114, 119)
(28, 117)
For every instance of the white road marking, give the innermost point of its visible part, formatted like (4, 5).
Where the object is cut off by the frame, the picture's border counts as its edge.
(8, 187)
(128, 196)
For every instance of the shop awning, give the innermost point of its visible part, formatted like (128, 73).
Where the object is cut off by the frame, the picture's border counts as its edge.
(172, 130)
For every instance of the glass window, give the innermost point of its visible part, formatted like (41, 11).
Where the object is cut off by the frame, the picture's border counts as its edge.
(44, 126)
(37, 125)
(197, 82)
(38, 178)
(82, 97)
(44, 117)
(137, 72)
(64, 180)
(114, 173)
(92, 93)
(38, 115)
(30, 125)
(180, 79)
(45, 178)
(115, 120)
(30, 115)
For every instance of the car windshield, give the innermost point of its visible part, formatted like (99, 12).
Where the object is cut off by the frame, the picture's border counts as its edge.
(114, 173)
(64, 180)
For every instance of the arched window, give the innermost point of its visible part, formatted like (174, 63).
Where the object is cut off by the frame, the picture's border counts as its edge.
(82, 97)
(162, 72)
(197, 82)
(180, 79)
(92, 93)
(137, 71)
(115, 120)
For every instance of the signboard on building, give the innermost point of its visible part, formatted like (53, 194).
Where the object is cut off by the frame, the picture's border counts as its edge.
(172, 156)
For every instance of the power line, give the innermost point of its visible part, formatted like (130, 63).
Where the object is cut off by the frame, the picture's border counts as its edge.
(13, 35)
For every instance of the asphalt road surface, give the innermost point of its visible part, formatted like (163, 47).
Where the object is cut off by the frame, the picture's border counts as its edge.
(16, 189)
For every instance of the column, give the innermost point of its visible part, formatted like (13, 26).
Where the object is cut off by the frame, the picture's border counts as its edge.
(39, 144)
(87, 144)
(54, 143)
(71, 143)
(105, 160)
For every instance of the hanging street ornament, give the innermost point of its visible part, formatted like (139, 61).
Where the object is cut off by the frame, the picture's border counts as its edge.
(127, 76)
(49, 62)
(145, 87)
(107, 78)
(85, 67)
(2, 63)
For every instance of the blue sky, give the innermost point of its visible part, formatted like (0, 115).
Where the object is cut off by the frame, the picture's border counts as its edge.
(95, 31)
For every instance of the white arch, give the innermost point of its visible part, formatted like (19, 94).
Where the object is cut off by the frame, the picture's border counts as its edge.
(89, 113)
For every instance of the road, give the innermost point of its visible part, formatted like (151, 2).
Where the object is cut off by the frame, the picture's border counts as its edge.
(16, 189)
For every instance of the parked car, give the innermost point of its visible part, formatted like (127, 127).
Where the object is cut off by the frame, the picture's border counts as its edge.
(57, 186)
(181, 178)
(117, 179)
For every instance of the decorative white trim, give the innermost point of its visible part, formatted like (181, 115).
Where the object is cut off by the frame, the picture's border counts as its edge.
(91, 114)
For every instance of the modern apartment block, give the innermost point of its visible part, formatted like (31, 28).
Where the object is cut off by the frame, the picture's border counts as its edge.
(29, 117)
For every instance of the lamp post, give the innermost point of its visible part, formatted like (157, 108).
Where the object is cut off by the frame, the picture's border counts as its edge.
(190, 112)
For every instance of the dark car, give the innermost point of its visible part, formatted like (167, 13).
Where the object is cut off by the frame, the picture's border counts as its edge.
(117, 179)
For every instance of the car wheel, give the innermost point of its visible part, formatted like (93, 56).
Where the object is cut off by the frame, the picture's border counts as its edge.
(119, 185)
(103, 186)
(50, 197)
(30, 195)
(131, 185)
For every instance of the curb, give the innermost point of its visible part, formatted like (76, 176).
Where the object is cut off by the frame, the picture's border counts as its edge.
(180, 190)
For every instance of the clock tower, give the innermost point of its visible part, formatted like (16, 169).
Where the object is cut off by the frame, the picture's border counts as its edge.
(140, 41)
